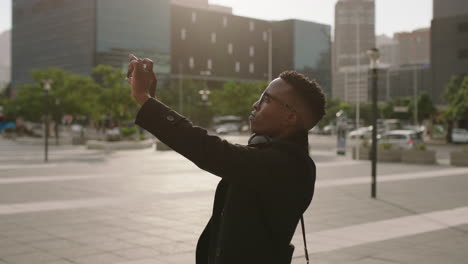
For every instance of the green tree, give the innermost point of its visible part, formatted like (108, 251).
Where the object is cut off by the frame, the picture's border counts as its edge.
(456, 95)
(426, 107)
(115, 99)
(237, 98)
(388, 109)
(334, 106)
(193, 107)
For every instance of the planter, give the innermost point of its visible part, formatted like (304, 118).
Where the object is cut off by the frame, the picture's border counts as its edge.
(389, 155)
(459, 159)
(119, 145)
(418, 156)
(364, 153)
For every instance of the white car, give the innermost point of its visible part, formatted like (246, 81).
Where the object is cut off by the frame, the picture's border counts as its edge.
(402, 139)
(362, 133)
(459, 135)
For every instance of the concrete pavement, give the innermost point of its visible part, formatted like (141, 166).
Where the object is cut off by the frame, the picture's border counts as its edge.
(142, 206)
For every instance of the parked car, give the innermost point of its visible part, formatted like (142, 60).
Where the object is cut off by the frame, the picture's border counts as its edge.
(113, 134)
(361, 133)
(329, 130)
(403, 139)
(228, 128)
(459, 135)
(315, 130)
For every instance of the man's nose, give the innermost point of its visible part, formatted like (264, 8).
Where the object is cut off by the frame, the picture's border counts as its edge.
(255, 105)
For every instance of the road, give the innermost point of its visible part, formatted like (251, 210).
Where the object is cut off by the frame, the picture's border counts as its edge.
(144, 206)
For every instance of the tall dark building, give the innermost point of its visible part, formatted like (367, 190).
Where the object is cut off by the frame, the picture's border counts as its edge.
(449, 43)
(354, 35)
(77, 35)
(305, 47)
(207, 43)
(449, 8)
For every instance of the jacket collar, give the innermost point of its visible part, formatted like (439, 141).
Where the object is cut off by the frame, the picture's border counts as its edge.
(299, 139)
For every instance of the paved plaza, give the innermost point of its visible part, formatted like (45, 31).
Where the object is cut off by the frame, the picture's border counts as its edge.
(144, 206)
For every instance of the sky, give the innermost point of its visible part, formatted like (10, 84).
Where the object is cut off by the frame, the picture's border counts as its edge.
(392, 15)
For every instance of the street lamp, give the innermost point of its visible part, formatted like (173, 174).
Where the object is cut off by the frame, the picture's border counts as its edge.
(374, 56)
(205, 92)
(47, 87)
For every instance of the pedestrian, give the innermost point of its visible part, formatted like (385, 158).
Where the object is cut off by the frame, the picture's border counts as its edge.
(265, 186)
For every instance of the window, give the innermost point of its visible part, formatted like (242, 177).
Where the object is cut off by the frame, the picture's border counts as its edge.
(237, 66)
(213, 37)
(265, 36)
(225, 21)
(183, 34)
(209, 64)
(191, 62)
(251, 67)
(194, 17)
(230, 48)
(251, 26)
(251, 51)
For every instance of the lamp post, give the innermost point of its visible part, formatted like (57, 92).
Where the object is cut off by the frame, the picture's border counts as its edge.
(205, 92)
(374, 56)
(47, 86)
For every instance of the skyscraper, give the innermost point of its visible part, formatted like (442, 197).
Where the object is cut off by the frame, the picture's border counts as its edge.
(449, 43)
(354, 35)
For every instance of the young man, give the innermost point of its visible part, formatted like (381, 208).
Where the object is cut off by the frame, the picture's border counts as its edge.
(265, 186)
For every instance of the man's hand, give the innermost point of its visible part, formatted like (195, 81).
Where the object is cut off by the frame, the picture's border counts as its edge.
(142, 79)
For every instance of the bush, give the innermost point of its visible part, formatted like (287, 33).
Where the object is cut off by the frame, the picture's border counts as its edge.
(421, 147)
(365, 143)
(142, 137)
(128, 131)
(386, 146)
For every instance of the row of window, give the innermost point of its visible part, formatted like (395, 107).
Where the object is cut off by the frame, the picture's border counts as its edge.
(224, 21)
(209, 65)
(183, 35)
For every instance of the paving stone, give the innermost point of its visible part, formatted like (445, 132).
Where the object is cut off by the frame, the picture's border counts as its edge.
(103, 258)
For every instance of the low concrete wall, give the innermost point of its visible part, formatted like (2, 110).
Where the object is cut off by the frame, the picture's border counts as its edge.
(389, 155)
(418, 156)
(119, 145)
(364, 153)
(459, 159)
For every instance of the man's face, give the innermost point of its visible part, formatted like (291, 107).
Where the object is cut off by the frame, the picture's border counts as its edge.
(270, 116)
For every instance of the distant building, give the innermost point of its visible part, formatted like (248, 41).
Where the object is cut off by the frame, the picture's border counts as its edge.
(449, 8)
(414, 47)
(449, 43)
(354, 35)
(389, 50)
(186, 39)
(203, 4)
(77, 35)
(5, 59)
(404, 81)
(305, 47)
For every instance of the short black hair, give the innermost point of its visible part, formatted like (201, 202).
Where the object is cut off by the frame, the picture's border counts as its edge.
(310, 92)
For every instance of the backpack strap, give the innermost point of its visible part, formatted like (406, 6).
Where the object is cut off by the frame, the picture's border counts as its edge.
(304, 237)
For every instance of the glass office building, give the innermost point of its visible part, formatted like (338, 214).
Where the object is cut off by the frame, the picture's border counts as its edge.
(78, 35)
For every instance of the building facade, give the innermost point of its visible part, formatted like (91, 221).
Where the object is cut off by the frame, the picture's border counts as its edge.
(449, 44)
(414, 47)
(389, 50)
(449, 8)
(354, 35)
(186, 39)
(5, 59)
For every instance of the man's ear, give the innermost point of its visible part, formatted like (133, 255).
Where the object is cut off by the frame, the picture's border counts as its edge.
(293, 119)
